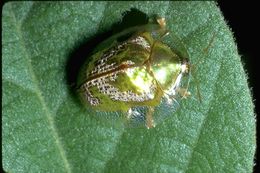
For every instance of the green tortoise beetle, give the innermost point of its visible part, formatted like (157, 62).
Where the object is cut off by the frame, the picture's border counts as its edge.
(140, 71)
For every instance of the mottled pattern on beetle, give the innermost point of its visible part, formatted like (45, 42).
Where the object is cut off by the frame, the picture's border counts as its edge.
(101, 66)
(98, 82)
(126, 96)
(102, 83)
(140, 41)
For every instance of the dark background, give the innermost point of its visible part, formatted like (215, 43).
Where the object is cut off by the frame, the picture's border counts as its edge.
(244, 19)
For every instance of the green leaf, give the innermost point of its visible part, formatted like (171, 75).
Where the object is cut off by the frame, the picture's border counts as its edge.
(45, 129)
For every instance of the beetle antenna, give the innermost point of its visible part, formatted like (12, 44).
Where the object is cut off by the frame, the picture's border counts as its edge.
(205, 50)
(201, 60)
(197, 87)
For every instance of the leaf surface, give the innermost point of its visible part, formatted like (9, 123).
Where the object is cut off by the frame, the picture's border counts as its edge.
(45, 129)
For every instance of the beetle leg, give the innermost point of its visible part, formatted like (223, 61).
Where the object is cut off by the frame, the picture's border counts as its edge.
(129, 113)
(149, 118)
(183, 92)
(162, 22)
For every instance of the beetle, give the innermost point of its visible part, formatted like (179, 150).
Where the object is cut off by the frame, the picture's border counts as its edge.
(139, 71)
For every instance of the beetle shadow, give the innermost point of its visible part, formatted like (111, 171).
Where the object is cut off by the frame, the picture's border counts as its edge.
(83, 49)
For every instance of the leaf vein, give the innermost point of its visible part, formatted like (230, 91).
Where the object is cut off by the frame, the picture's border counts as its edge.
(41, 98)
(203, 122)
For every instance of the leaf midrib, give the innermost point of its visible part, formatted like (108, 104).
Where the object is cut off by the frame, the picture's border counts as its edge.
(40, 97)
